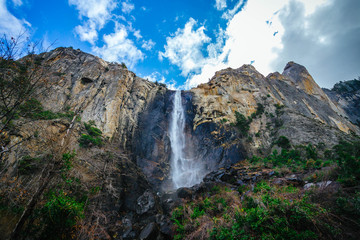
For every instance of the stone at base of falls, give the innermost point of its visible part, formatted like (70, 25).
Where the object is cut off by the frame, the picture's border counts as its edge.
(166, 226)
(184, 193)
(145, 202)
(149, 232)
(330, 186)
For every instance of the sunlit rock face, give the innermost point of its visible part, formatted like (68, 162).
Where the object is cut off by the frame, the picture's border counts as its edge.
(303, 80)
(306, 114)
(104, 92)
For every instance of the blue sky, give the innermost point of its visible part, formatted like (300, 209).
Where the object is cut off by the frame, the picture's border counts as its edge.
(182, 43)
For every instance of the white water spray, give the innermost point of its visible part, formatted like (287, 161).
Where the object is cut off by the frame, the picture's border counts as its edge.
(185, 171)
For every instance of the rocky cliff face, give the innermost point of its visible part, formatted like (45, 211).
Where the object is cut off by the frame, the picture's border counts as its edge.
(347, 96)
(133, 114)
(106, 93)
(294, 106)
(125, 107)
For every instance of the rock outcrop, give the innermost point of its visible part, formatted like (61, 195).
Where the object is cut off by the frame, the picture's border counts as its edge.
(104, 92)
(294, 106)
(347, 96)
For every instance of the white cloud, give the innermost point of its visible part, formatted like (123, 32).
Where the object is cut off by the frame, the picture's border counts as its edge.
(118, 48)
(326, 40)
(254, 35)
(155, 77)
(97, 14)
(158, 77)
(148, 45)
(127, 7)
(207, 72)
(247, 38)
(312, 5)
(87, 32)
(46, 45)
(97, 10)
(250, 38)
(9, 24)
(184, 47)
(220, 4)
(229, 14)
(137, 34)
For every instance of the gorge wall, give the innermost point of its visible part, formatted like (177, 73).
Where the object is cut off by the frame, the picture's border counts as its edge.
(135, 113)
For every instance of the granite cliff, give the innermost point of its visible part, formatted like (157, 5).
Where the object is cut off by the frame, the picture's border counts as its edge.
(130, 170)
(347, 95)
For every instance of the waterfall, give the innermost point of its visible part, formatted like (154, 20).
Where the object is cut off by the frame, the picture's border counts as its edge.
(185, 170)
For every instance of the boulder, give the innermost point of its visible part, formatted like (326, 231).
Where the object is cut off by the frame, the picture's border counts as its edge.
(149, 232)
(145, 202)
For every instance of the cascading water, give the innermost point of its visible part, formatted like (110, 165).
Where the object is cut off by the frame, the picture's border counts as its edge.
(185, 171)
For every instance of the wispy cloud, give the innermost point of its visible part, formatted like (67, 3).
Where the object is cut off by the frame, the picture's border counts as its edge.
(119, 48)
(158, 77)
(87, 32)
(9, 24)
(95, 14)
(220, 4)
(184, 47)
(257, 33)
(137, 34)
(324, 36)
(229, 14)
(127, 7)
(148, 45)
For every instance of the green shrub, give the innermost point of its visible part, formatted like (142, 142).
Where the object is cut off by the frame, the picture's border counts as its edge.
(261, 186)
(347, 156)
(223, 120)
(93, 138)
(197, 213)
(89, 141)
(34, 110)
(268, 215)
(283, 142)
(67, 160)
(279, 109)
(349, 206)
(242, 123)
(215, 189)
(60, 214)
(93, 131)
(260, 109)
(27, 165)
(311, 152)
(30, 108)
(178, 217)
(293, 159)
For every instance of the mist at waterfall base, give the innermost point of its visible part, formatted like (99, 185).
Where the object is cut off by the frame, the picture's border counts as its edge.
(186, 170)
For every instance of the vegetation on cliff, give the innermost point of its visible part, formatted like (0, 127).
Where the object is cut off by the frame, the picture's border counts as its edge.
(93, 138)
